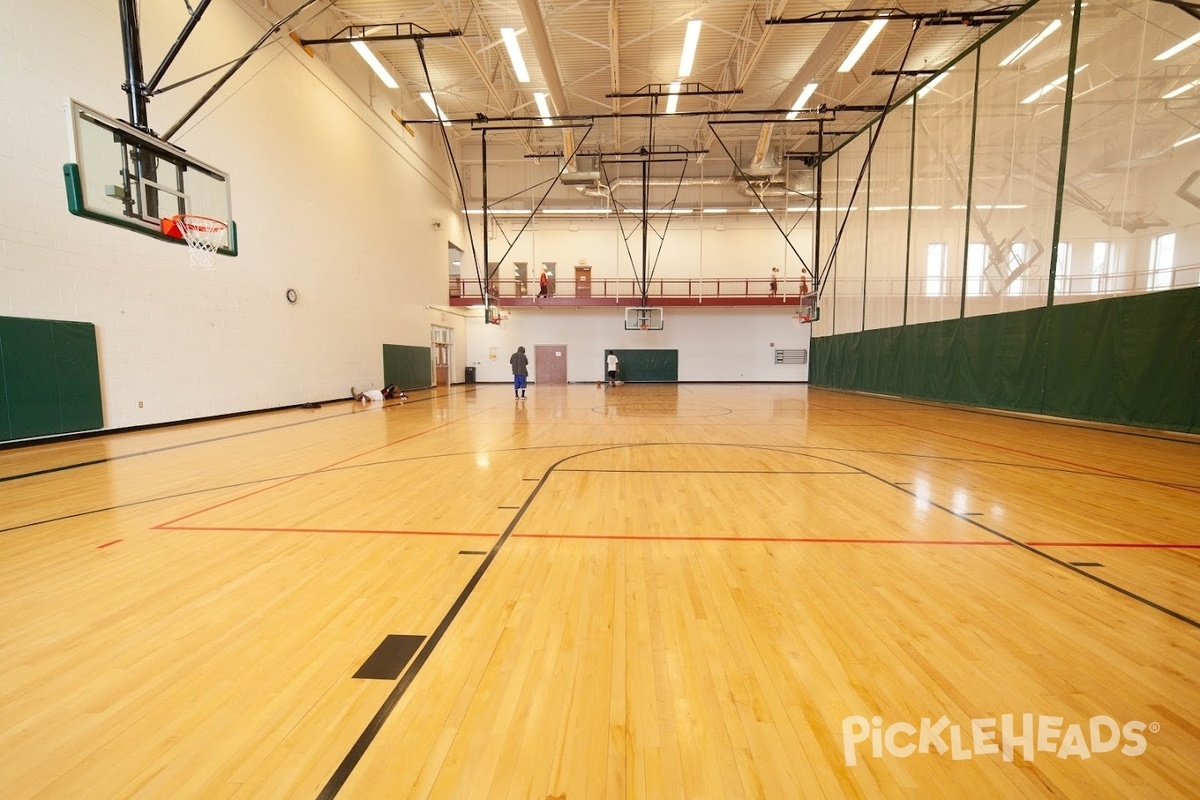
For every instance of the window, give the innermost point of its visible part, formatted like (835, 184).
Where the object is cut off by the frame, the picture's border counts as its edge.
(977, 257)
(1162, 261)
(1016, 267)
(1100, 258)
(1062, 268)
(935, 269)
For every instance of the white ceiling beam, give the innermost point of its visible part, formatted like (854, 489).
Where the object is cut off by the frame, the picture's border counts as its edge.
(822, 56)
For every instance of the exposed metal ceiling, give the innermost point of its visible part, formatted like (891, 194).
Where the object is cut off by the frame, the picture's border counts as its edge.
(581, 53)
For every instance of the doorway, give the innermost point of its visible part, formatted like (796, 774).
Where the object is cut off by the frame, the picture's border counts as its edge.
(583, 281)
(441, 342)
(550, 363)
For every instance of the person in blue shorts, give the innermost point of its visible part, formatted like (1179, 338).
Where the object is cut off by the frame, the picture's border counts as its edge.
(520, 368)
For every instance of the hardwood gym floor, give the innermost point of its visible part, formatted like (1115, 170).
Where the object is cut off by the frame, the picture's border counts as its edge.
(653, 591)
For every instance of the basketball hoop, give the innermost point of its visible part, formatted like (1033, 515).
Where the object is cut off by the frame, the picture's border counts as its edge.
(204, 236)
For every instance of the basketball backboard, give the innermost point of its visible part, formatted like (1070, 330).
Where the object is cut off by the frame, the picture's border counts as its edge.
(126, 177)
(644, 318)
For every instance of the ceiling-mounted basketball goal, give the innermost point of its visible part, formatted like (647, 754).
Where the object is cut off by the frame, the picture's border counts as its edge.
(644, 318)
(129, 178)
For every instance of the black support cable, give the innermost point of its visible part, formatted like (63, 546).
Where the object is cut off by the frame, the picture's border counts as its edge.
(169, 58)
(224, 78)
(819, 288)
(462, 193)
(750, 183)
(662, 239)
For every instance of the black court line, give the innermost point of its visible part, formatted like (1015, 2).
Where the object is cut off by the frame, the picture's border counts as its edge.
(168, 448)
(364, 740)
(1085, 563)
(1042, 554)
(1024, 416)
(764, 472)
(508, 508)
(389, 658)
(472, 552)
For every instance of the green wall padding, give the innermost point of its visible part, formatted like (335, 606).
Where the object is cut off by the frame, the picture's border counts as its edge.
(77, 367)
(50, 380)
(647, 366)
(1126, 360)
(406, 366)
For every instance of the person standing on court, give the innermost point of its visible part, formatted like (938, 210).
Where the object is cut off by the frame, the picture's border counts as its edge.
(520, 368)
(612, 368)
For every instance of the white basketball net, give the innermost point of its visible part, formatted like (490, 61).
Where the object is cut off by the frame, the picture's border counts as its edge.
(204, 236)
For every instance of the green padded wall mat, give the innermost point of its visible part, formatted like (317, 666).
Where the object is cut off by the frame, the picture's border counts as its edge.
(1128, 360)
(51, 378)
(77, 368)
(406, 366)
(646, 366)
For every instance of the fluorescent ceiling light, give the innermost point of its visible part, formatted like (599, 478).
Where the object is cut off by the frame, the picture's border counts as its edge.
(1051, 86)
(588, 211)
(863, 43)
(673, 100)
(1031, 43)
(1191, 138)
(498, 211)
(514, 54)
(714, 211)
(905, 208)
(927, 88)
(375, 63)
(980, 206)
(1181, 89)
(654, 211)
(428, 98)
(1179, 48)
(804, 97)
(690, 40)
(543, 109)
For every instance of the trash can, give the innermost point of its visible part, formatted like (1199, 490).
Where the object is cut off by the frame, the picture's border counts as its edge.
(470, 374)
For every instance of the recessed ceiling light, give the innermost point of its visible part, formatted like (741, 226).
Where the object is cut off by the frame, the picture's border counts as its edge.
(428, 98)
(514, 54)
(1177, 49)
(543, 109)
(863, 43)
(803, 99)
(690, 39)
(375, 64)
(673, 99)
(1031, 43)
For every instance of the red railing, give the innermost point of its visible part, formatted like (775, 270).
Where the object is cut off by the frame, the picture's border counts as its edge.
(466, 291)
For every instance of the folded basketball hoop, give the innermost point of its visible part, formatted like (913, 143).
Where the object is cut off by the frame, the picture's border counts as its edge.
(204, 236)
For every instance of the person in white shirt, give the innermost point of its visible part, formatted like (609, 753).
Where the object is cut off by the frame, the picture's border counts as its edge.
(612, 368)
(378, 395)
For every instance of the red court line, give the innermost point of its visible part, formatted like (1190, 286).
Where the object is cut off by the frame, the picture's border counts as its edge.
(109, 544)
(319, 530)
(164, 525)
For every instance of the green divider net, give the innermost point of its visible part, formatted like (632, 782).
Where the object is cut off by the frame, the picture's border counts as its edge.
(1128, 360)
(406, 366)
(647, 366)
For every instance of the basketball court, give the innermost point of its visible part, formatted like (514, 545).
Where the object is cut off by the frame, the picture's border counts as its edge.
(702, 590)
(706, 578)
